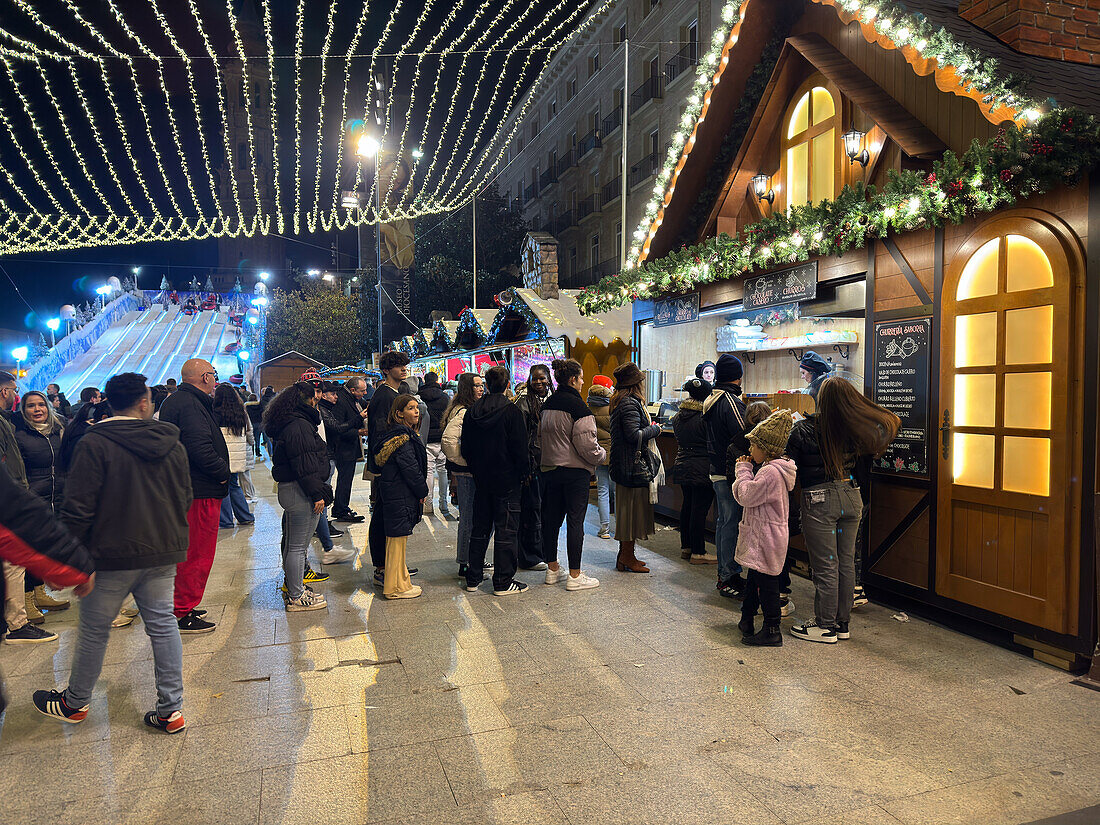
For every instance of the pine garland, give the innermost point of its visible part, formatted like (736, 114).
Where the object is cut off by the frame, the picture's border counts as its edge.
(1058, 150)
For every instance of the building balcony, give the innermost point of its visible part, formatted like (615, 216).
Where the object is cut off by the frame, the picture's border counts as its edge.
(562, 222)
(530, 193)
(550, 176)
(588, 206)
(612, 190)
(645, 168)
(612, 122)
(587, 277)
(681, 62)
(566, 161)
(588, 143)
(650, 90)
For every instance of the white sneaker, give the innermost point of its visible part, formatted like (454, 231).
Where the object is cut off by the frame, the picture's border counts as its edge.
(539, 567)
(337, 555)
(309, 600)
(581, 582)
(811, 631)
(604, 533)
(555, 576)
(786, 608)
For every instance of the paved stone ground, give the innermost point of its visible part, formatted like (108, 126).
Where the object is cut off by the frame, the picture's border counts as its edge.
(633, 703)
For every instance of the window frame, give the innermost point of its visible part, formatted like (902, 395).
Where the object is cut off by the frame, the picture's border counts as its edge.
(835, 122)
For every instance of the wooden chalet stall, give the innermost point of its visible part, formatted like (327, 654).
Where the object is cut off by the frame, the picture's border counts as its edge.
(963, 295)
(283, 370)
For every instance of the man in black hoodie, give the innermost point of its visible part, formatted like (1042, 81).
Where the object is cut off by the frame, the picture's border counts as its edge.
(127, 501)
(494, 444)
(436, 401)
(724, 413)
(191, 408)
(395, 369)
(347, 413)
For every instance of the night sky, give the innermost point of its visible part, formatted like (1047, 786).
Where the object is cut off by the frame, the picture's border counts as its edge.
(49, 279)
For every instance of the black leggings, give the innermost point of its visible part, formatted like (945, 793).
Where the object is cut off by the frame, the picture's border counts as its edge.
(564, 498)
(761, 590)
(693, 517)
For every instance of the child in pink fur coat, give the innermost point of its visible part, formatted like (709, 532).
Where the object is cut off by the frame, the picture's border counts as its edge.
(762, 538)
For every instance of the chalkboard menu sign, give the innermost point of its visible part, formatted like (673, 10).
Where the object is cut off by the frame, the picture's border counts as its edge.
(679, 310)
(901, 386)
(784, 287)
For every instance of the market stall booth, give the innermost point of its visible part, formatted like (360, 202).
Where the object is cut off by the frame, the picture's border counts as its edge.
(954, 292)
(283, 370)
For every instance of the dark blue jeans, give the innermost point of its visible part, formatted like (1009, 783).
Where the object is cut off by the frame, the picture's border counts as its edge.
(235, 504)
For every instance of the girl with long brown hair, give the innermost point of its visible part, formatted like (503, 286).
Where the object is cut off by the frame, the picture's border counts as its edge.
(825, 446)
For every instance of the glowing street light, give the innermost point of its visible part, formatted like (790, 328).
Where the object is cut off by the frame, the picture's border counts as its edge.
(417, 154)
(264, 276)
(244, 354)
(368, 146)
(313, 273)
(20, 355)
(54, 324)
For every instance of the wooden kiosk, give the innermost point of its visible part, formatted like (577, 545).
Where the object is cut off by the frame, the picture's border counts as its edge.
(978, 278)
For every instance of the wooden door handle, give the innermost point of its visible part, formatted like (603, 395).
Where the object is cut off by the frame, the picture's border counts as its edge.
(945, 433)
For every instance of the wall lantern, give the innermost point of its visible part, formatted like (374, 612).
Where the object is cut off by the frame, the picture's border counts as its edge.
(853, 147)
(761, 189)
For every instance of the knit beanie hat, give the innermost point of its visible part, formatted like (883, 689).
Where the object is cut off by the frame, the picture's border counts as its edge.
(771, 434)
(311, 376)
(628, 375)
(815, 364)
(698, 389)
(603, 381)
(728, 369)
(699, 369)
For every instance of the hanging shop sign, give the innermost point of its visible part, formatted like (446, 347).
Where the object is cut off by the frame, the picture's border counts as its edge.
(679, 310)
(787, 286)
(901, 384)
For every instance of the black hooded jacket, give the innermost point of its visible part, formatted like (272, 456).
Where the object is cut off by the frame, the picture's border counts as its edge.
(192, 411)
(494, 442)
(692, 464)
(300, 453)
(42, 461)
(348, 445)
(436, 401)
(128, 494)
(402, 482)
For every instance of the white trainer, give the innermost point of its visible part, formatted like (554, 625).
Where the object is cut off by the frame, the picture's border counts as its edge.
(581, 582)
(337, 555)
(555, 576)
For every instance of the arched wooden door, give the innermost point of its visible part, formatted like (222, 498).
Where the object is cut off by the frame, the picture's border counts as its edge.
(1006, 423)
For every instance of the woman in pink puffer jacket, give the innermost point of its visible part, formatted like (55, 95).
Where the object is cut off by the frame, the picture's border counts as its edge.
(763, 534)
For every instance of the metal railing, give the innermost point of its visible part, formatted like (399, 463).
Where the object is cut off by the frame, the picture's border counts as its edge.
(565, 161)
(548, 177)
(563, 221)
(649, 90)
(588, 206)
(589, 276)
(611, 190)
(612, 122)
(588, 143)
(682, 61)
(645, 168)
(530, 193)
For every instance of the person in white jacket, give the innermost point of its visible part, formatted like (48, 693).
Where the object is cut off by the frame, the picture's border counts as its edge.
(470, 388)
(237, 430)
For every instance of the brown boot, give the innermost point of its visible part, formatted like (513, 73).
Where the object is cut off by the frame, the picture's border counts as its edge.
(44, 601)
(34, 615)
(627, 562)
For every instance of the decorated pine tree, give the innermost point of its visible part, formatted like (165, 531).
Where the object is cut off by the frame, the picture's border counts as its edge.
(164, 285)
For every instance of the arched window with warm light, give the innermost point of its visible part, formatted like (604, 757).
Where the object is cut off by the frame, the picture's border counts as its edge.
(808, 141)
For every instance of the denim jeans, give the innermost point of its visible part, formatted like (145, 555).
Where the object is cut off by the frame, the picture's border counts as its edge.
(152, 588)
(299, 524)
(235, 504)
(437, 466)
(603, 493)
(726, 528)
(465, 485)
(322, 520)
(830, 523)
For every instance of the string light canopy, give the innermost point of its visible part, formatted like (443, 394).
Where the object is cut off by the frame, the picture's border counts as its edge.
(129, 123)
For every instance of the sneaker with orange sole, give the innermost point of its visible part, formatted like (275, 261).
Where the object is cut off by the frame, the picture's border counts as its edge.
(52, 703)
(173, 724)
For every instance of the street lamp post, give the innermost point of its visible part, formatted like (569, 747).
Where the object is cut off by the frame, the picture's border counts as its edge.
(54, 324)
(20, 355)
(370, 147)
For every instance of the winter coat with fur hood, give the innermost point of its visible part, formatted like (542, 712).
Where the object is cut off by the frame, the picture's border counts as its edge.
(402, 481)
(599, 402)
(763, 535)
(692, 464)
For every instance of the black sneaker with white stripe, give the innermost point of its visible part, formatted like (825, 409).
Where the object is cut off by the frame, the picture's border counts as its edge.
(513, 589)
(52, 703)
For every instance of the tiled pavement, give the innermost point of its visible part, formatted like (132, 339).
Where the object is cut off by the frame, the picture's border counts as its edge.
(633, 703)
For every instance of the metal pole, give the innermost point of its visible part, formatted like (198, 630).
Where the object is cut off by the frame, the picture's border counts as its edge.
(378, 241)
(626, 109)
(473, 208)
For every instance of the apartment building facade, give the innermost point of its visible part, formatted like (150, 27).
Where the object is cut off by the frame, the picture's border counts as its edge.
(564, 164)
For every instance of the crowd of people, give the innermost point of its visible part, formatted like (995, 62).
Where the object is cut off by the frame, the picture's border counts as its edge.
(135, 483)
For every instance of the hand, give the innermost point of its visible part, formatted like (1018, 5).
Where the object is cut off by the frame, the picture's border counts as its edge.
(84, 589)
(318, 506)
(364, 431)
(364, 413)
(744, 460)
(423, 500)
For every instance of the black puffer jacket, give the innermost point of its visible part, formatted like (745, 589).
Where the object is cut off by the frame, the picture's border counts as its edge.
(300, 453)
(692, 465)
(804, 450)
(629, 430)
(436, 400)
(403, 480)
(346, 414)
(192, 411)
(42, 461)
(128, 494)
(724, 413)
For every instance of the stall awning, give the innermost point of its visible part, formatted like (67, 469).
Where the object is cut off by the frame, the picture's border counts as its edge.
(562, 318)
(443, 336)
